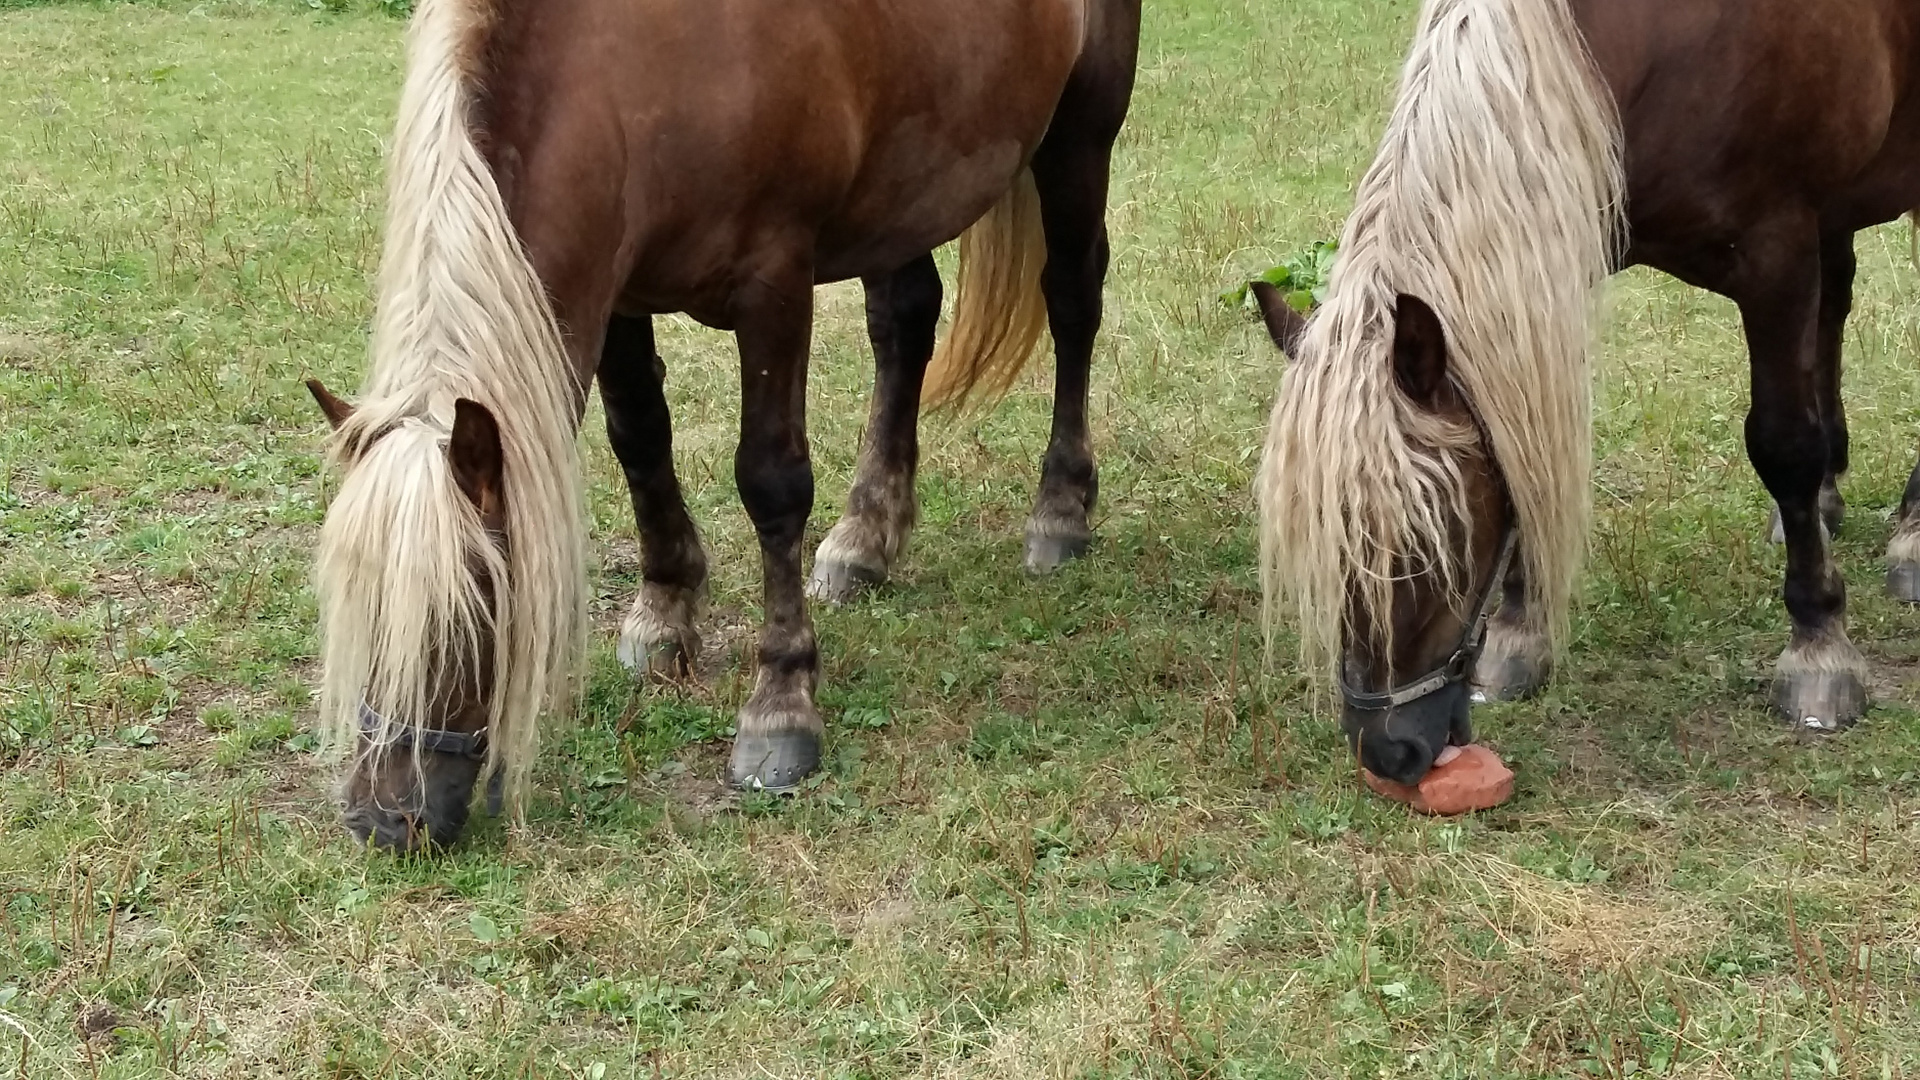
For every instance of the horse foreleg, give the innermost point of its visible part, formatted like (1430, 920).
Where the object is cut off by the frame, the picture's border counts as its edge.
(780, 731)
(1820, 680)
(1070, 172)
(903, 311)
(658, 635)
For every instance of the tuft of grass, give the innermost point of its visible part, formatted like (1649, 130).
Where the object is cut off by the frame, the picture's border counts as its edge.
(1068, 828)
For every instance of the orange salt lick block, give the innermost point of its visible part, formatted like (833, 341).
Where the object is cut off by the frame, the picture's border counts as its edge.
(1467, 778)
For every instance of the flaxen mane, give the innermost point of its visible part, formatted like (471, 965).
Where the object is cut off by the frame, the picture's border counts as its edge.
(461, 314)
(1496, 199)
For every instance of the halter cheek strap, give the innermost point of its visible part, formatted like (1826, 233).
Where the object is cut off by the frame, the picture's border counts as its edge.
(1458, 666)
(471, 745)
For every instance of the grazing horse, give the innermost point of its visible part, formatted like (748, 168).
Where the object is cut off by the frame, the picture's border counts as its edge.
(565, 169)
(1429, 452)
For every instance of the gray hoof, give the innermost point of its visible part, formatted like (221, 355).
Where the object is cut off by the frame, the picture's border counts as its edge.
(1510, 678)
(1823, 702)
(664, 661)
(836, 582)
(774, 761)
(1045, 554)
(1903, 582)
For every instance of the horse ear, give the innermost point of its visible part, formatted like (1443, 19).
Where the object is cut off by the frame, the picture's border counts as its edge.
(337, 411)
(1419, 351)
(1284, 324)
(476, 457)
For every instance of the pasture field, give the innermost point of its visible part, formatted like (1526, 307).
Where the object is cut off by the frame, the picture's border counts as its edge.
(1068, 827)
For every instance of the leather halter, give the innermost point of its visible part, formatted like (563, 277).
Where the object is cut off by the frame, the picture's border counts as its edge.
(471, 745)
(1473, 637)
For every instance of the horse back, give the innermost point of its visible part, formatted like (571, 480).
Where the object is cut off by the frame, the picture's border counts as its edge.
(1733, 109)
(688, 142)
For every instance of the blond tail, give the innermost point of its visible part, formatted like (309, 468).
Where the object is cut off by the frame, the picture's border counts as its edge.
(998, 311)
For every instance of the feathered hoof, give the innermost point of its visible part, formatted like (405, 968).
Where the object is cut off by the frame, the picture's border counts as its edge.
(1822, 702)
(835, 581)
(1507, 678)
(774, 760)
(665, 659)
(1045, 553)
(1903, 582)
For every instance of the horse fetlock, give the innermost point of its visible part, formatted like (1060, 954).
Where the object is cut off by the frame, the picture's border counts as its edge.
(1820, 681)
(658, 638)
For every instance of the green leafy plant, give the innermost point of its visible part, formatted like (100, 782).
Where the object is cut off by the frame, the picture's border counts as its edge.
(1302, 277)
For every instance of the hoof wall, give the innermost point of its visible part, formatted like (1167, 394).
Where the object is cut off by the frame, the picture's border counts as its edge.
(1903, 582)
(835, 582)
(775, 761)
(1822, 702)
(1045, 554)
(662, 661)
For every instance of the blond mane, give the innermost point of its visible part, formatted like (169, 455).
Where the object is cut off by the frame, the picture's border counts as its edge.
(1495, 198)
(461, 314)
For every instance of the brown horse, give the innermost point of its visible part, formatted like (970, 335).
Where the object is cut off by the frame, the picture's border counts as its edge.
(565, 169)
(1430, 448)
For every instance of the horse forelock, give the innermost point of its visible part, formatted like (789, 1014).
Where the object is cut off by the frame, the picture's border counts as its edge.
(461, 313)
(1495, 198)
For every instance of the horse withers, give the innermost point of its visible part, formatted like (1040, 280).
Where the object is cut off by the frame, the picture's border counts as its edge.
(565, 169)
(1428, 458)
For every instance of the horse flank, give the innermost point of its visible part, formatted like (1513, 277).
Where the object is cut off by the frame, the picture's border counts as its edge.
(461, 314)
(1495, 198)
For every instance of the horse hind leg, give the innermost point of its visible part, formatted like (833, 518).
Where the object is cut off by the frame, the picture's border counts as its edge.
(1517, 659)
(903, 312)
(1820, 679)
(1071, 172)
(658, 636)
(780, 730)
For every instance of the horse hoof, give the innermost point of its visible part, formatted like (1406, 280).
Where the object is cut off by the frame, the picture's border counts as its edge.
(837, 582)
(665, 660)
(1045, 554)
(1820, 701)
(1903, 582)
(774, 760)
(1511, 678)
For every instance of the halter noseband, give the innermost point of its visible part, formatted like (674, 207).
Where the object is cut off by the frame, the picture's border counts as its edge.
(1457, 667)
(471, 745)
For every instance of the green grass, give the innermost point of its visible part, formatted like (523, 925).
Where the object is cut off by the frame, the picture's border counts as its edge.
(1065, 830)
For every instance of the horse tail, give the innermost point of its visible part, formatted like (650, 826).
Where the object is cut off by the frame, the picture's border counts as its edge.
(999, 310)
(461, 314)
